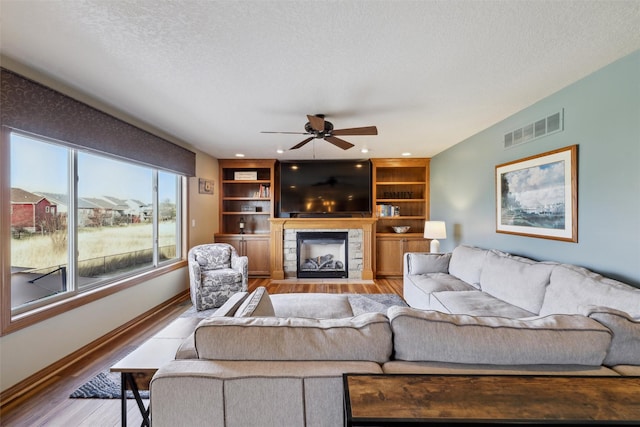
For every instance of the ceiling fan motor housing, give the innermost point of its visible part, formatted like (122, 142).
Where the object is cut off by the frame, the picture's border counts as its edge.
(328, 127)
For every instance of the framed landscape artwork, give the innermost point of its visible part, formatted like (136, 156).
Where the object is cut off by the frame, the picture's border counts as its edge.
(538, 196)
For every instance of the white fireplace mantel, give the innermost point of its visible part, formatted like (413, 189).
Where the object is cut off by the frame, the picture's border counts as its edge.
(278, 225)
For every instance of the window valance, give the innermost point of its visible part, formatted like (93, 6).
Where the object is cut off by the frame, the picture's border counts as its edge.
(32, 107)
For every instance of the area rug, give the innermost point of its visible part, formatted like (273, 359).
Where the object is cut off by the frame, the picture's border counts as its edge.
(106, 385)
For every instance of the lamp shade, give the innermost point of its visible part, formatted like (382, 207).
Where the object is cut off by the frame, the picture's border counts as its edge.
(435, 230)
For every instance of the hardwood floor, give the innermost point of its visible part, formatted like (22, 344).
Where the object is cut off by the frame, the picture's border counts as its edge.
(50, 405)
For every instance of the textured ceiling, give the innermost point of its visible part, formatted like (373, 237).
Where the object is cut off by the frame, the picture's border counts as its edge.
(214, 74)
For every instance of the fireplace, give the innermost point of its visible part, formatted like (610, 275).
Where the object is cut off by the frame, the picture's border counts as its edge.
(322, 254)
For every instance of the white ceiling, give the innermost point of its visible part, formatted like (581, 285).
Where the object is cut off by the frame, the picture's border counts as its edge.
(214, 74)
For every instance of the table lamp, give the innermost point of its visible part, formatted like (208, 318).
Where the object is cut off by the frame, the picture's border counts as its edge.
(435, 230)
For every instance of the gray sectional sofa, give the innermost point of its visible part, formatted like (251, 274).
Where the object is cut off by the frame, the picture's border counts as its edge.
(276, 360)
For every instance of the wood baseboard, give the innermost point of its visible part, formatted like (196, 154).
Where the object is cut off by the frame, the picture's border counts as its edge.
(14, 394)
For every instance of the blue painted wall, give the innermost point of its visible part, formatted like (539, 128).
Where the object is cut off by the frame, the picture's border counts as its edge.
(601, 116)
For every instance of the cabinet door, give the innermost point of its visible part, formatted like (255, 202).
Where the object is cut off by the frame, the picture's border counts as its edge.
(257, 250)
(254, 247)
(390, 252)
(388, 256)
(419, 244)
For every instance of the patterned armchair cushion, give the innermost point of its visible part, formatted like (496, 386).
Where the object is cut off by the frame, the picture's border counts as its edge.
(217, 287)
(213, 257)
(220, 278)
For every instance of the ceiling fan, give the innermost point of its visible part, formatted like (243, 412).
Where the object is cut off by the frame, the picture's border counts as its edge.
(320, 128)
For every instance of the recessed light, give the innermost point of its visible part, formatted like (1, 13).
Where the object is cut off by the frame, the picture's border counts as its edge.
(239, 155)
(364, 150)
(406, 154)
(279, 151)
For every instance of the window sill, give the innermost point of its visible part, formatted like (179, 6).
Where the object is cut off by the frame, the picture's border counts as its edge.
(14, 323)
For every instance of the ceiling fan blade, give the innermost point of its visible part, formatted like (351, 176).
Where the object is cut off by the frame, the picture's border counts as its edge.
(317, 123)
(367, 130)
(291, 133)
(300, 144)
(339, 142)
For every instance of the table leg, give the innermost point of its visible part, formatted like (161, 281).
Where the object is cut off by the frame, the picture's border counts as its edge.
(123, 398)
(136, 393)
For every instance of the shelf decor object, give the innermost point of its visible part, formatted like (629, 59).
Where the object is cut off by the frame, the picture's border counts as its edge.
(435, 230)
(401, 229)
(245, 175)
(538, 196)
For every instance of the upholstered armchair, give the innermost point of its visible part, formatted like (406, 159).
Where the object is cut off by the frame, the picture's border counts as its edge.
(216, 272)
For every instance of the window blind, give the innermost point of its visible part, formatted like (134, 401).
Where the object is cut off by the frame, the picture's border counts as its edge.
(31, 107)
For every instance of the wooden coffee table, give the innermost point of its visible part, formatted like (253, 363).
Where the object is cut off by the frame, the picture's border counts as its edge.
(399, 399)
(139, 366)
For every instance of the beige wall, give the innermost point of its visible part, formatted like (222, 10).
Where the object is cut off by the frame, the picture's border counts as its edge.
(29, 350)
(203, 208)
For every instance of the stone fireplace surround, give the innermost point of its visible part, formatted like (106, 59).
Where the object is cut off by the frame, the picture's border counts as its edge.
(283, 244)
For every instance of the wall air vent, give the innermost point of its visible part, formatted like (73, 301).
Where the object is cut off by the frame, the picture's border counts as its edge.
(543, 127)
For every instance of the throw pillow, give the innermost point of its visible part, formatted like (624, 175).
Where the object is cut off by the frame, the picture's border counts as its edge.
(625, 343)
(428, 263)
(258, 304)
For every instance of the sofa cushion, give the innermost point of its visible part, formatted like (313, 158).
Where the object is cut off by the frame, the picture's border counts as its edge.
(475, 303)
(418, 289)
(439, 337)
(424, 263)
(466, 264)
(517, 280)
(219, 278)
(363, 337)
(572, 288)
(256, 304)
(625, 344)
(314, 305)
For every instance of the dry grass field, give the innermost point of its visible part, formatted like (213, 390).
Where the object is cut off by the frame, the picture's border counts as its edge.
(39, 251)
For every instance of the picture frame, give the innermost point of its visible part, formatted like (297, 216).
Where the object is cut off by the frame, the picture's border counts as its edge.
(205, 186)
(537, 196)
(245, 175)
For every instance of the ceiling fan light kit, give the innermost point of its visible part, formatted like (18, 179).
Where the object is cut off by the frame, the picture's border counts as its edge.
(320, 128)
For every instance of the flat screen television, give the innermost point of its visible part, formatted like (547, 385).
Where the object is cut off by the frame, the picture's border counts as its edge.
(325, 187)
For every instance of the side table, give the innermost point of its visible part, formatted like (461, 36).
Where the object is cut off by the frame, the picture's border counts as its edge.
(418, 399)
(138, 367)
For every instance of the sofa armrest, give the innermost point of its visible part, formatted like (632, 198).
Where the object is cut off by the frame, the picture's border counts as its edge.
(241, 264)
(253, 393)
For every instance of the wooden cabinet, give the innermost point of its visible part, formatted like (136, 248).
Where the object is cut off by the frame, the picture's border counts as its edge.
(255, 247)
(390, 249)
(401, 187)
(246, 193)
